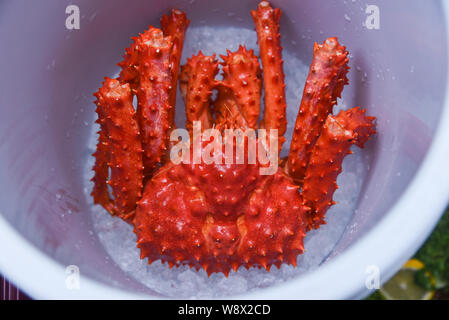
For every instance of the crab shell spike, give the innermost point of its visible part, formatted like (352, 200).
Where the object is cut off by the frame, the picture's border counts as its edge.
(114, 105)
(324, 84)
(175, 26)
(220, 232)
(333, 145)
(267, 22)
(242, 75)
(196, 82)
(153, 94)
(129, 73)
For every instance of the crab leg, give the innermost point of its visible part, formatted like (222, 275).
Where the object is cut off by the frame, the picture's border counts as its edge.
(325, 82)
(238, 102)
(153, 94)
(338, 135)
(267, 21)
(196, 81)
(175, 26)
(119, 150)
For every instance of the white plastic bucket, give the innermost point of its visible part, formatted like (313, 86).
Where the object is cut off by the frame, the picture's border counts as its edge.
(399, 73)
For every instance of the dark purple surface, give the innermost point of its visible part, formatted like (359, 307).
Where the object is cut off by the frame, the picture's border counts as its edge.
(9, 292)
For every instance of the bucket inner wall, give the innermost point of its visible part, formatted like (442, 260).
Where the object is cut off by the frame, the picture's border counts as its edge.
(398, 73)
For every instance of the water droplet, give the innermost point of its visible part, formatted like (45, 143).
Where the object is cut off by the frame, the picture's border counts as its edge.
(52, 65)
(92, 17)
(347, 18)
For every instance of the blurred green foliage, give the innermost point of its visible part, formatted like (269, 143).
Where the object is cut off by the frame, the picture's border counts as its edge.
(435, 256)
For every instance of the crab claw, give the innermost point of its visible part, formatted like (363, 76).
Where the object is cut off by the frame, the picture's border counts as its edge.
(339, 133)
(355, 120)
(196, 82)
(238, 101)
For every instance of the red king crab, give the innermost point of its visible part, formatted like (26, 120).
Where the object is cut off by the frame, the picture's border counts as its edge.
(221, 216)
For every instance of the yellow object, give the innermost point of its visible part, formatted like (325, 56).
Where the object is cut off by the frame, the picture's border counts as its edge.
(403, 287)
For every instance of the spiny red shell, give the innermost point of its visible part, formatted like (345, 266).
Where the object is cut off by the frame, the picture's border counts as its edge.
(119, 150)
(175, 26)
(267, 21)
(220, 217)
(238, 103)
(338, 134)
(211, 216)
(146, 68)
(153, 98)
(196, 82)
(324, 167)
(355, 119)
(325, 82)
